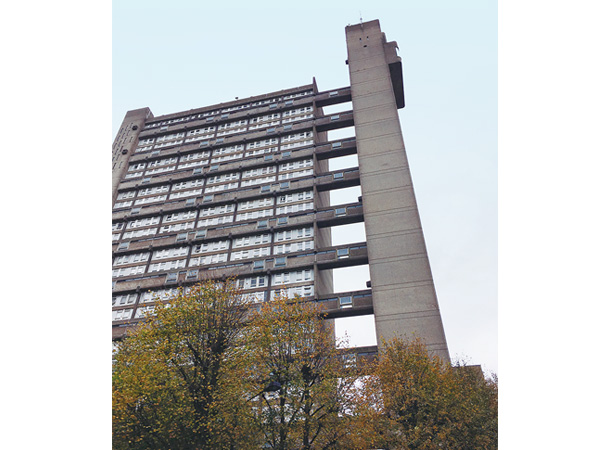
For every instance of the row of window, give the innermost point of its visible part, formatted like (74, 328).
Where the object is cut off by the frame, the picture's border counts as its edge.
(222, 245)
(247, 174)
(280, 281)
(149, 228)
(216, 183)
(250, 297)
(225, 129)
(224, 112)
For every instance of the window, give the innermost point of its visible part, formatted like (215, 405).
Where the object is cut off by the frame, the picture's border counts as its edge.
(181, 237)
(123, 246)
(280, 262)
(282, 221)
(198, 171)
(338, 176)
(336, 145)
(284, 184)
(266, 188)
(172, 277)
(285, 154)
(126, 299)
(192, 274)
(262, 224)
(190, 202)
(342, 252)
(200, 234)
(257, 265)
(345, 302)
(208, 198)
(335, 117)
(255, 239)
(340, 212)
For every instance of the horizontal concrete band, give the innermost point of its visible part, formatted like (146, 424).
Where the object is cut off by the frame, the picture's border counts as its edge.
(404, 285)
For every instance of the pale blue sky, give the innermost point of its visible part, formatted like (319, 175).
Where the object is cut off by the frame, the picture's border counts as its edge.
(174, 56)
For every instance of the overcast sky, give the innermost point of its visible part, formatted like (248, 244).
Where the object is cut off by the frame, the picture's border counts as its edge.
(175, 56)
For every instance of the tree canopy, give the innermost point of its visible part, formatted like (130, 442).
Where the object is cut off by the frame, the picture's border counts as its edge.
(208, 371)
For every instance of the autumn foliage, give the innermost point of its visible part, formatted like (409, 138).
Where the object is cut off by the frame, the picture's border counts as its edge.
(207, 371)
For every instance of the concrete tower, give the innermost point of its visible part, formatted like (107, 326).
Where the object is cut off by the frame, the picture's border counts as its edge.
(242, 189)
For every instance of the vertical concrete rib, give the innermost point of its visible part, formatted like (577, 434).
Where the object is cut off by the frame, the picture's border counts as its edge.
(404, 298)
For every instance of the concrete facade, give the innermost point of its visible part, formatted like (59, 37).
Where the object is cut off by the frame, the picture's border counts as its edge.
(242, 189)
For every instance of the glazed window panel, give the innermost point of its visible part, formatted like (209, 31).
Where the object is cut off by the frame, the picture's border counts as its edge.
(160, 295)
(148, 200)
(253, 282)
(302, 164)
(254, 214)
(296, 174)
(257, 203)
(143, 222)
(262, 143)
(297, 276)
(295, 197)
(130, 259)
(144, 311)
(208, 259)
(256, 239)
(297, 233)
(122, 314)
(126, 195)
(258, 172)
(162, 162)
(126, 299)
(170, 253)
(293, 247)
(296, 207)
(221, 187)
(184, 194)
(160, 170)
(167, 265)
(127, 271)
(125, 204)
(215, 210)
(209, 247)
(153, 190)
(210, 221)
(297, 136)
(140, 233)
(257, 181)
(223, 178)
(177, 227)
(185, 215)
(290, 292)
(251, 253)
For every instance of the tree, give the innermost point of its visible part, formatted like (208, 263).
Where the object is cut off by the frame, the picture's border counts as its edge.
(168, 376)
(420, 402)
(299, 389)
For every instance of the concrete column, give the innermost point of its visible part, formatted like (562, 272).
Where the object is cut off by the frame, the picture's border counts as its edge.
(404, 298)
(125, 144)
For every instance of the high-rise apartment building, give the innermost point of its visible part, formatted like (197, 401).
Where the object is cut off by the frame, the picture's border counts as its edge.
(242, 189)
